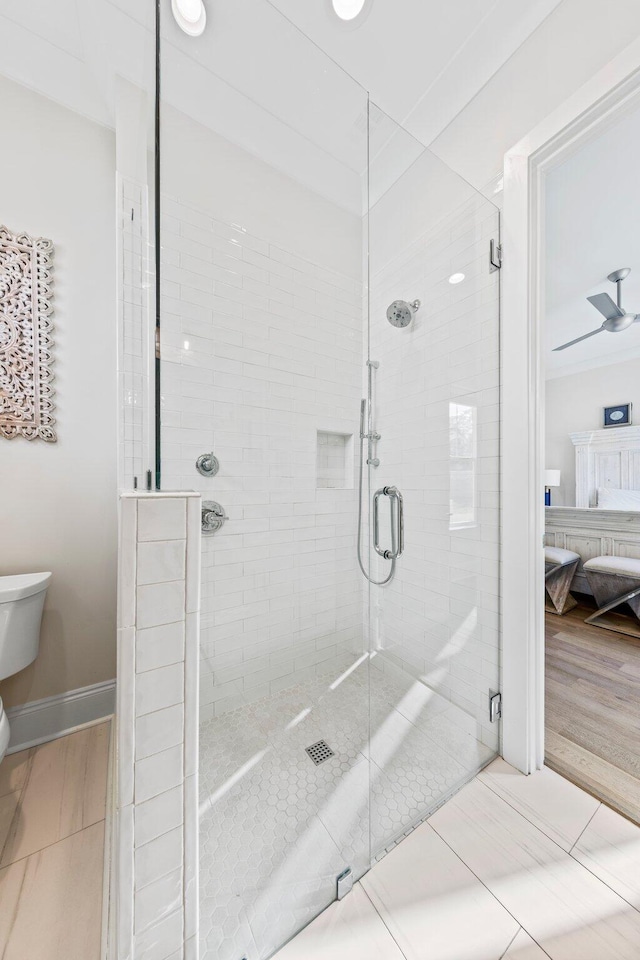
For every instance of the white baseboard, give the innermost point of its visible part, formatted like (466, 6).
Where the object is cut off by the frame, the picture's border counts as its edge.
(53, 717)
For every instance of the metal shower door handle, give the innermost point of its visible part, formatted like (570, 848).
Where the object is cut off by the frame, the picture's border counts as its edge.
(397, 522)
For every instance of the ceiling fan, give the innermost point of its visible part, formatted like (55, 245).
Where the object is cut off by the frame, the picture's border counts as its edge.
(616, 317)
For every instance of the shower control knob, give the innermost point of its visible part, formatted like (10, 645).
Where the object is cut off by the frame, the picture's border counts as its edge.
(213, 516)
(207, 465)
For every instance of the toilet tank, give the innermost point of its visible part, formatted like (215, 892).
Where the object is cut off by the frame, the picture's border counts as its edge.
(21, 603)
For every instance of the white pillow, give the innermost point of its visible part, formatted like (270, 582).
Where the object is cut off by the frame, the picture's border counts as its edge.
(611, 499)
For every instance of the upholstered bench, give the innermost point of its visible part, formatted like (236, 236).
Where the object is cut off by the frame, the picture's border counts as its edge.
(559, 570)
(614, 581)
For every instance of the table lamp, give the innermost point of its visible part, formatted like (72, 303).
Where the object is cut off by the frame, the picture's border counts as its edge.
(551, 479)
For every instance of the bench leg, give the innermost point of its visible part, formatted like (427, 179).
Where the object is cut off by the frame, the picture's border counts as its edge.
(599, 618)
(557, 587)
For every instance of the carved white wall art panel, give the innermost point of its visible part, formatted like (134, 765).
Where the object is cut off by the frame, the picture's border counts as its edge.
(26, 375)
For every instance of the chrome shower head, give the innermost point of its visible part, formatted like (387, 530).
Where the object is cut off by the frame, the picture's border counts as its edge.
(400, 313)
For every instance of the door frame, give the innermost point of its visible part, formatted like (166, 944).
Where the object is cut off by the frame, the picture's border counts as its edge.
(603, 100)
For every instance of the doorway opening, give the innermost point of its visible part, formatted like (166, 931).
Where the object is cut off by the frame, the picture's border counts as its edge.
(609, 100)
(591, 359)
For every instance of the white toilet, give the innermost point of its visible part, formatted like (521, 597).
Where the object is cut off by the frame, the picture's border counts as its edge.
(21, 603)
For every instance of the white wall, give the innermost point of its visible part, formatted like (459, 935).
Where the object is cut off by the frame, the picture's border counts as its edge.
(575, 403)
(58, 501)
(575, 41)
(204, 169)
(261, 281)
(589, 232)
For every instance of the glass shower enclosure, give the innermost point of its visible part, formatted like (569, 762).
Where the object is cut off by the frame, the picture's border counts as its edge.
(337, 710)
(433, 350)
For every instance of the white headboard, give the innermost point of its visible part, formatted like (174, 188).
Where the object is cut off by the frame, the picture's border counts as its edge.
(606, 458)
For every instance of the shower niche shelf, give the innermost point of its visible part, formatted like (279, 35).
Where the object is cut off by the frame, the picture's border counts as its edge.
(333, 461)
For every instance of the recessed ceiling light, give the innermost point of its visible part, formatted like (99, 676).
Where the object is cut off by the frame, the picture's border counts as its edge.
(348, 9)
(190, 15)
(456, 278)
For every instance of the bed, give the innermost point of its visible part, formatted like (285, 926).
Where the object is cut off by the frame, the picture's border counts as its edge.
(606, 518)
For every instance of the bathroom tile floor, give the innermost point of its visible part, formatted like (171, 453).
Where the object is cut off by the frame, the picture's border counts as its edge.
(275, 830)
(52, 823)
(510, 868)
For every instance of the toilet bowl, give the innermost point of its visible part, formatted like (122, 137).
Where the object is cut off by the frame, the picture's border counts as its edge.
(4, 731)
(21, 602)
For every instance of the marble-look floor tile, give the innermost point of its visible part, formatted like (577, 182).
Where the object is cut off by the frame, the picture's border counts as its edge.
(423, 891)
(410, 774)
(267, 863)
(8, 807)
(417, 702)
(446, 731)
(523, 947)
(345, 815)
(224, 927)
(348, 928)
(13, 772)
(557, 807)
(277, 830)
(63, 791)
(569, 912)
(52, 901)
(610, 848)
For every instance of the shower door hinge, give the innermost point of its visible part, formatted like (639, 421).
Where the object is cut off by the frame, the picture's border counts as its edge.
(495, 256)
(344, 883)
(495, 706)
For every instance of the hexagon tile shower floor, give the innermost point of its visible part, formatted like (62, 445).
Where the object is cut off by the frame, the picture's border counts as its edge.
(276, 830)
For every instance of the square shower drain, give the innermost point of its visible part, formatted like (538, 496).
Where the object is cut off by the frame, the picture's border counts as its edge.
(319, 752)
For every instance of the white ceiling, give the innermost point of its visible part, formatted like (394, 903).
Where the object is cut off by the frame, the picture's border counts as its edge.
(261, 77)
(421, 60)
(467, 78)
(575, 41)
(71, 50)
(591, 230)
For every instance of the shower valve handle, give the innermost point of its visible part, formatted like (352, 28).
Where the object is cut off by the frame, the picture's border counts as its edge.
(213, 516)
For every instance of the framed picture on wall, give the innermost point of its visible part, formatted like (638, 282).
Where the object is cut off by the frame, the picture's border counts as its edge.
(619, 416)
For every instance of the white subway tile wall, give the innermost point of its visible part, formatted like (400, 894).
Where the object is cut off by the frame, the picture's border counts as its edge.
(261, 350)
(438, 619)
(334, 458)
(135, 332)
(155, 882)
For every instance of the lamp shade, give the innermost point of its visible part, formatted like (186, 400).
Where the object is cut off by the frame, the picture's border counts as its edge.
(552, 478)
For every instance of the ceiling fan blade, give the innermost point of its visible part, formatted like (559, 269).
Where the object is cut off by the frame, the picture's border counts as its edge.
(606, 306)
(578, 339)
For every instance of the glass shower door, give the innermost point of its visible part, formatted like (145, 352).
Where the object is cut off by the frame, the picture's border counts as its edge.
(434, 354)
(262, 343)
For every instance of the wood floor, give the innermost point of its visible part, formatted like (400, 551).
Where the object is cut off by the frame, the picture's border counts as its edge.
(592, 709)
(52, 824)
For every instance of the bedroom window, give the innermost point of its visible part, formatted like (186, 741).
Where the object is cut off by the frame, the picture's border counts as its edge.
(463, 459)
